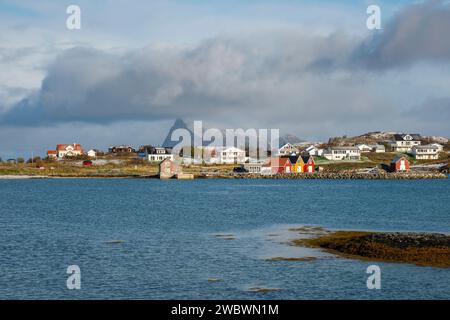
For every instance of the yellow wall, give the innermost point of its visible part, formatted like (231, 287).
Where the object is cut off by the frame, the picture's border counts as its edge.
(298, 166)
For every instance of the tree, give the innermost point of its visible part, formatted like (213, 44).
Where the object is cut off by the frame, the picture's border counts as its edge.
(34, 160)
(20, 160)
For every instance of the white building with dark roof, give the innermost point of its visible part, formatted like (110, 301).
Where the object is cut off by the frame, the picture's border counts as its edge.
(159, 154)
(287, 150)
(405, 142)
(425, 152)
(342, 153)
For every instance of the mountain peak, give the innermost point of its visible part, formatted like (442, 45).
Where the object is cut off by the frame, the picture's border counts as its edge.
(178, 124)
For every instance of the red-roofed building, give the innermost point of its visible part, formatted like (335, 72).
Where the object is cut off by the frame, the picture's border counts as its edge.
(400, 164)
(52, 154)
(308, 164)
(279, 165)
(69, 150)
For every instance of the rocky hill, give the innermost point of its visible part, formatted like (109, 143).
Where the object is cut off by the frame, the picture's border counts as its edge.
(380, 137)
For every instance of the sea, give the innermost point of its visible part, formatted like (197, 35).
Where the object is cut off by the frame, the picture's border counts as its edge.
(209, 239)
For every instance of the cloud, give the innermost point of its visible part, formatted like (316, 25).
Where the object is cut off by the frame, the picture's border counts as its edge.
(432, 108)
(317, 84)
(418, 33)
(228, 76)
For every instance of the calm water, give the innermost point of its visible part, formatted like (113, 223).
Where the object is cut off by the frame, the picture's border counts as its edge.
(170, 248)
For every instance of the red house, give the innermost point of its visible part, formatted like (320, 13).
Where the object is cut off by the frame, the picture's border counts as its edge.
(400, 164)
(308, 164)
(280, 165)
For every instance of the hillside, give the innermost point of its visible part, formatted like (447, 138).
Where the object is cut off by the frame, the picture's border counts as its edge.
(380, 137)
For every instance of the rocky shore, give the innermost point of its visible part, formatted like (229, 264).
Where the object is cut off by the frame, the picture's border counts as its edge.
(423, 249)
(233, 175)
(337, 175)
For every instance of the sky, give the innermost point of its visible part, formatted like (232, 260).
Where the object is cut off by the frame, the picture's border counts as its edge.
(308, 68)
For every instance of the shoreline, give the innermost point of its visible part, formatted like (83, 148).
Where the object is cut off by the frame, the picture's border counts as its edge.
(347, 176)
(427, 249)
(250, 176)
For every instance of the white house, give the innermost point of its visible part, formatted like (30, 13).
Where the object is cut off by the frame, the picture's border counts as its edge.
(287, 150)
(253, 167)
(425, 152)
(66, 150)
(314, 151)
(440, 147)
(342, 153)
(230, 155)
(405, 142)
(92, 153)
(377, 148)
(364, 148)
(159, 154)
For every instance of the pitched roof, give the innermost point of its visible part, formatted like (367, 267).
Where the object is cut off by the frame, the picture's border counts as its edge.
(52, 152)
(293, 159)
(344, 148)
(278, 162)
(63, 147)
(397, 158)
(400, 137)
(306, 158)
(426, 146)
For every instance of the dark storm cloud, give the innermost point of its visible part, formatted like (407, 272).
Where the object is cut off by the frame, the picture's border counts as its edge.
(220, 76)
(273, 78)
(418, 33)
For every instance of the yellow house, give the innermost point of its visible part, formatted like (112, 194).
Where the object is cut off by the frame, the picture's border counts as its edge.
(301, 164)
(297, 164)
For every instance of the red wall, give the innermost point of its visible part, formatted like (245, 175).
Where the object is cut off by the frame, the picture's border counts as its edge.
(397, 164)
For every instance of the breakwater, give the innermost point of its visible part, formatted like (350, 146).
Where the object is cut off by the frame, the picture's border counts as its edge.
(336, 175)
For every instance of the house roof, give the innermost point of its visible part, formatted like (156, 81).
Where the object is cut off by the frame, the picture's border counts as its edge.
(278, 162)
(426, 146)
(344, 148)
(306, 158)
(288, 145)
(398, 158)
(63, 147)
(293, 159)
(52, 152)
(157, 150)
(401, 137)
(284, 161)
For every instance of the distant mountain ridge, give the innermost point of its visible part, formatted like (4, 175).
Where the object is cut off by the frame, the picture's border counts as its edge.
(290, 138)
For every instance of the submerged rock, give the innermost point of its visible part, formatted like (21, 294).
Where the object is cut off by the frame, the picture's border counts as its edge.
(423, 249)
(292, 259)
(258, 289)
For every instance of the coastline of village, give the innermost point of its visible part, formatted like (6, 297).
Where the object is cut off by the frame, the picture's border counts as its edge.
(373, 156)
